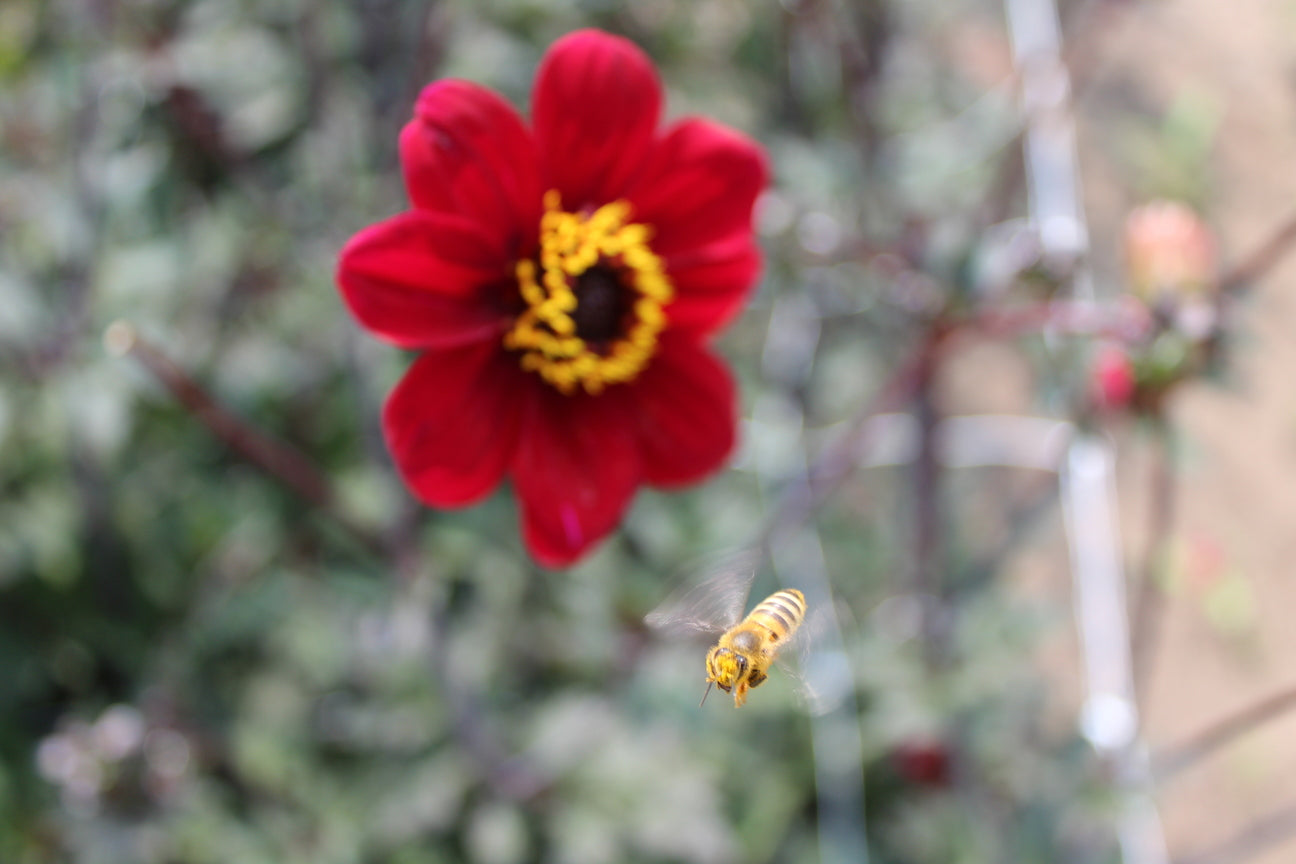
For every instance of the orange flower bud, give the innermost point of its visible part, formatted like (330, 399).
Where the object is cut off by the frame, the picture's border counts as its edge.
(1169, 252)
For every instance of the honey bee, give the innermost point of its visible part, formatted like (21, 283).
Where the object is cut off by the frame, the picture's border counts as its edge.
(742, 657)
(744, 649)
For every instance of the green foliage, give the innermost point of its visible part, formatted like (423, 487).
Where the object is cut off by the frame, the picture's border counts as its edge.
(1171, 160)
(195, 666)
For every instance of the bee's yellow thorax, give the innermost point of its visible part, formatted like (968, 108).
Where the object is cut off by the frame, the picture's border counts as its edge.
(742, 657)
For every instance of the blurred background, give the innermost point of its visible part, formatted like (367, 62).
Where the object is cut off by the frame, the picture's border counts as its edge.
(201, 663)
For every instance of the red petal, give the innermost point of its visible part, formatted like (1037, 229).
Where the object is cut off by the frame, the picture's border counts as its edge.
(698, 187)
(425, 280)
(576, 469)
(594, 109)
(468, 152)
(452, 423)
(712, 284)
(686, 414)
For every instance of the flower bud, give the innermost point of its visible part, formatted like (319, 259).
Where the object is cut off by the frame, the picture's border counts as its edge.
(1169, 253)
(923, 761)
(1112, 378)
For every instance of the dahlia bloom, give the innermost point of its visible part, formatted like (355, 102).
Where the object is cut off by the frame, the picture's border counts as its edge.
(560, 281)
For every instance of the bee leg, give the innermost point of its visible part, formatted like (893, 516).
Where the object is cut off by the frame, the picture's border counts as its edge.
(740, 694)
(756, 678)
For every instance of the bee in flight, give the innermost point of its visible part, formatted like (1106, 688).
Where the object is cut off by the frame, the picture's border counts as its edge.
(742, 657)
(745, 649)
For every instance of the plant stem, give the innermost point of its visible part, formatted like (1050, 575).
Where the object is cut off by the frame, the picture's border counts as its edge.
(276, 459)
(927, 511)
(1072, 317)
(1150, 604)
(1250, 841)
(839, 458)
(1251, 268)
(1223, 732)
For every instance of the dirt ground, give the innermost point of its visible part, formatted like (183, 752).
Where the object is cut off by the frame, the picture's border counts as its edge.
(1227, 637)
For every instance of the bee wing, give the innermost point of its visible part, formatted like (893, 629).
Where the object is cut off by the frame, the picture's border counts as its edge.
(817, 677)
(712, 605)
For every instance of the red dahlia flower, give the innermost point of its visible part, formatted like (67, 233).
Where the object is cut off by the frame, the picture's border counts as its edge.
(560, 282)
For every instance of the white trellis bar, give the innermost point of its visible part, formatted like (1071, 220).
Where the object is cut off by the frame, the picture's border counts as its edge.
(1109, 718)
(1084, 464)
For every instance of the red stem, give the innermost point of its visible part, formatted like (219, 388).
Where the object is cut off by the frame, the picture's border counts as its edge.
(275, 458)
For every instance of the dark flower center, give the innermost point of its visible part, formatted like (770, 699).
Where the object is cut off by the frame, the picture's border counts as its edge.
(595, 295)
(600, 304)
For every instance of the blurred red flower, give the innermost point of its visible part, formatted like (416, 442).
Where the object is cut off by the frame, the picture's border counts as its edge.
(923, 762)
(560, 282)
(1113, 379)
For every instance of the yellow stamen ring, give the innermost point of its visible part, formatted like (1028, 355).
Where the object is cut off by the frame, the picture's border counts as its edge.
(546, 332)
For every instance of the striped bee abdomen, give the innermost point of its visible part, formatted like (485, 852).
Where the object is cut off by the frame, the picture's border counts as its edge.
(781, 614)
